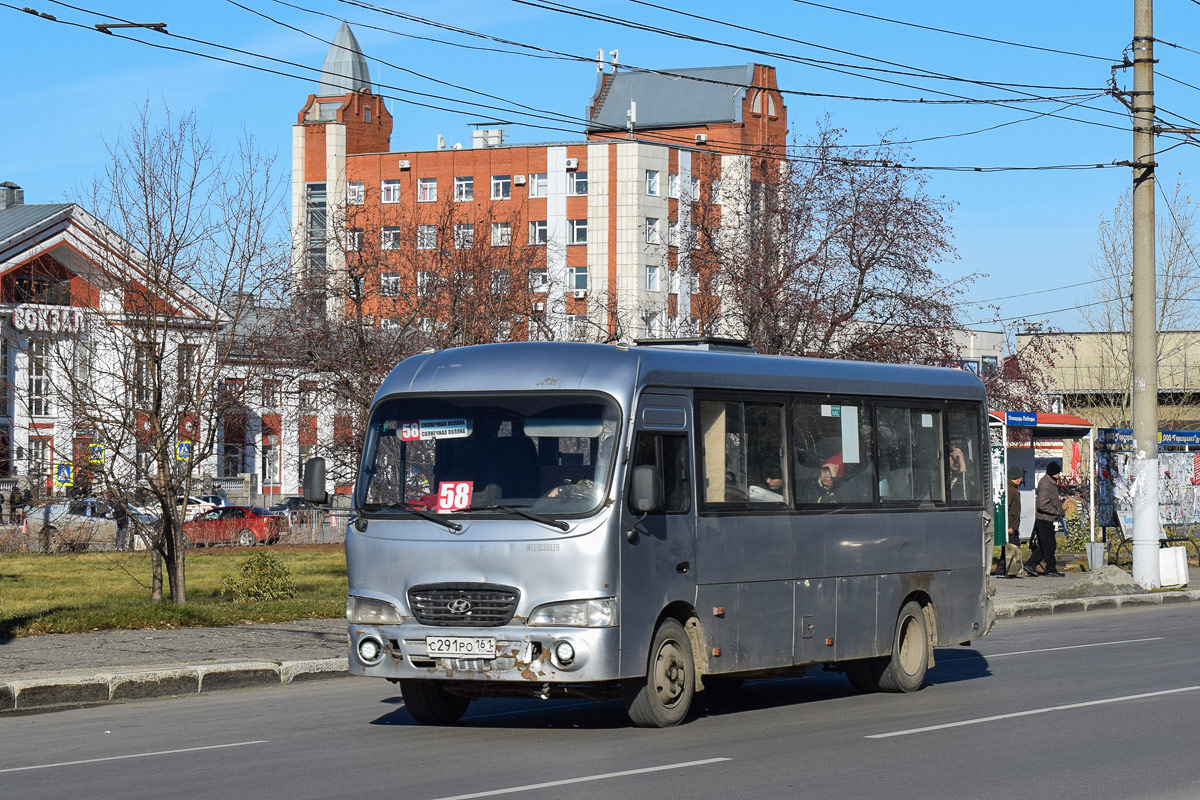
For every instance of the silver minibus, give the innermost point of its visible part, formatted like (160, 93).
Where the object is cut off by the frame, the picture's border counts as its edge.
(646, 522)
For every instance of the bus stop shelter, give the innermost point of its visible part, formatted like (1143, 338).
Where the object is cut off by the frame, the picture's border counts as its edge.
(1031, 440)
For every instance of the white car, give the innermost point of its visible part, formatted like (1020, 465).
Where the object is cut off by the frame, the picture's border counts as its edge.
(194, 507)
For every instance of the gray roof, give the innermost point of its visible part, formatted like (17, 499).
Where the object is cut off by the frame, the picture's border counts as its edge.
(345, 68)
(18, 218)
(666, 101)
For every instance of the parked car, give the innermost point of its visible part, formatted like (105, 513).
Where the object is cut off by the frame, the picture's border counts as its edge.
(76, 525)
(215, 499)
(291, 505)
(193, 507)
(244, 526)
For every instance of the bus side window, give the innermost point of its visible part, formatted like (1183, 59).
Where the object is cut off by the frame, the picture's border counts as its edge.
(834, 457)
(669, 453)
(963, 457)
(743, 451)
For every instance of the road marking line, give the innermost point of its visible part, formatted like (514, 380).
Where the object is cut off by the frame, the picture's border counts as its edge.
(584, 779)
(1016, 714)
(1056, 649)
(134, 755)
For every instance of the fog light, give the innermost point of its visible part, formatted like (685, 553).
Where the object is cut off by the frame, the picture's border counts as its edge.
(565, 653)
(370, 650)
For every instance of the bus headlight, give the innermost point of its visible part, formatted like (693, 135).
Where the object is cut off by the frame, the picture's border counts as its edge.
(600, 613)
(367, 611)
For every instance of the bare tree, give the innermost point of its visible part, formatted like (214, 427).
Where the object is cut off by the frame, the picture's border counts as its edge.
(1109, 312)
(832, 256)
(190, 240)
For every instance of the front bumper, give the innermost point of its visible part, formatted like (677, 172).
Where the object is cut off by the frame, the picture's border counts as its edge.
(523, 654)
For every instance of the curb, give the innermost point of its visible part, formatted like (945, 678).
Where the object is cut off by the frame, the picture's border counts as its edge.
(76, 691)
(1031, 608)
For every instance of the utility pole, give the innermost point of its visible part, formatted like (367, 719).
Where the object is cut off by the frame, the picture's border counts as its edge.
(1144, 334)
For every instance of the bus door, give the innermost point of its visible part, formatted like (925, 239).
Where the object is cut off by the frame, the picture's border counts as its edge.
(657, 552)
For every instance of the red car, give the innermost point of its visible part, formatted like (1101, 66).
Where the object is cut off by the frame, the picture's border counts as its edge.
(244, 526)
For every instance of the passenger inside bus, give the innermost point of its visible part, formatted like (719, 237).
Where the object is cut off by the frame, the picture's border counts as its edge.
(827, 481)
(769, 489)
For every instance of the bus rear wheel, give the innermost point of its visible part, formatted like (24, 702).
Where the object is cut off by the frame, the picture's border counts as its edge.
(430, 703)
(906, 668)
(664, 697)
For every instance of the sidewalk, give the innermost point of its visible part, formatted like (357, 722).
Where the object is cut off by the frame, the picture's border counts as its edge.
(70, 670)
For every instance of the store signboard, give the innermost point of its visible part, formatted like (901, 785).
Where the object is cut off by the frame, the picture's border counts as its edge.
(47, 319)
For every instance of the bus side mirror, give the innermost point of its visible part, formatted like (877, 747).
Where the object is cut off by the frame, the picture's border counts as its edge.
(314, 481)
(646, 491)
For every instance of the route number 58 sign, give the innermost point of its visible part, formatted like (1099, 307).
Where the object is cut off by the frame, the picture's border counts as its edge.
(454, 495)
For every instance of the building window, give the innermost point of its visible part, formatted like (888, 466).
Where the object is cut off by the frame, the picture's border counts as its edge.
(673, 234)
(390, 323)
(187, 366)
(270, 460)
(503, 330)
(501, 187)
(314, 229)
(272, 394)
(577, 278)
(425, 283)
(307, 397)
(537, 184)
(717, 193)
(652, 278)
(354, 240)
(501, 234)
(427, 237)
(304, 452)
(40, 450)
(653, 325)
(391, 237)
(356, 192)
(673, 281)
(577, 183)
(673, 185)
(425, 325)
(652, 182)
(390, 191)
(539, 280)
(426, 190)
(577, 230)
(652, 234)
(38, 388)
(464, 236)
(579, 327)
(464, 188)
(501, 281)
(5, 376)
(539, 231)
(389, 284)
(366, 115)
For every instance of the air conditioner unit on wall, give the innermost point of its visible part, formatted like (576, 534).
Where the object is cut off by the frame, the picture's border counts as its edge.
(572, 163)
(519, 180)
(539, 306)
(579, 294)
(405, 164)
(701, 138)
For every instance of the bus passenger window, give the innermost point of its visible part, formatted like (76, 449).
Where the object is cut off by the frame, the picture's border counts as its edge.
(833, 459)
(743, 452)
(910, 454)
(963, 457)
(670, 455)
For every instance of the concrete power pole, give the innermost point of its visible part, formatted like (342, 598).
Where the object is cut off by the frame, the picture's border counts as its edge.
(1144, 402)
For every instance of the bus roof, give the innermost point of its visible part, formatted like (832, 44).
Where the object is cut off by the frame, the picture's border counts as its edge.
(557, 366)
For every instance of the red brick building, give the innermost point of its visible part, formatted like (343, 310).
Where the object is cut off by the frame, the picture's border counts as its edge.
(592, 227)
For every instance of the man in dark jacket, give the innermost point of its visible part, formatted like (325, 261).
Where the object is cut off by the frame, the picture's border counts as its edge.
(1049, 508)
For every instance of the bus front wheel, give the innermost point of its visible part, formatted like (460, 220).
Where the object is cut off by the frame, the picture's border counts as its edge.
(664, 697)
(430, 703)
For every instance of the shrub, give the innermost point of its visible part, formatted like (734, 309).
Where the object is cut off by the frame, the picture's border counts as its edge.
(1077, 535)
(263, 577)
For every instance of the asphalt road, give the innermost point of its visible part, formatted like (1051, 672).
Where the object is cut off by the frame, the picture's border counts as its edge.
(1097, 705)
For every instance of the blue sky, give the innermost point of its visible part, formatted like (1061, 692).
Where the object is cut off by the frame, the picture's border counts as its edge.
(70, 89)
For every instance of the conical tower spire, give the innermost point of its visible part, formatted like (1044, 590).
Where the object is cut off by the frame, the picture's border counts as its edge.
(345, 68)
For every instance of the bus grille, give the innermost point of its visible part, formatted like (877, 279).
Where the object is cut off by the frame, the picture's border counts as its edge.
(463, 605)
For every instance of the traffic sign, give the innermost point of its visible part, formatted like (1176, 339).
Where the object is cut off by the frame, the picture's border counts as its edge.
(64, 474)
(183, 451)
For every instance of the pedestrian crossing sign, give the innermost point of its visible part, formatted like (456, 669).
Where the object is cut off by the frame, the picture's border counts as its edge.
(64, 474)
(183, 451)
(95, 454)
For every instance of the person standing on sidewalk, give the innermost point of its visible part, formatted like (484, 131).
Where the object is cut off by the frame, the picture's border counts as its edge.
(1049, 508)
(1016, 475)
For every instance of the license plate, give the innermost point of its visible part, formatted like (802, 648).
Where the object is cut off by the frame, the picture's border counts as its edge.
(461, 646)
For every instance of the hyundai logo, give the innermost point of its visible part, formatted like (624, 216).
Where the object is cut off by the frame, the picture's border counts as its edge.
(459, 606)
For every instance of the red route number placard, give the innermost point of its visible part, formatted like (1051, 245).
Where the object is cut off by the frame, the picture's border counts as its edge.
(454, 495)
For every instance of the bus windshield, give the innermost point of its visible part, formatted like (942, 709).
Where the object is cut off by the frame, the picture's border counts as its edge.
(546, 453)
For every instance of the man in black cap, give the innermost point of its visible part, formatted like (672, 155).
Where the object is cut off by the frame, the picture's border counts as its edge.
(1011, 552)
(1049, 508)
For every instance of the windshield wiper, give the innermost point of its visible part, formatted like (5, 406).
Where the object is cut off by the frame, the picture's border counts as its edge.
(521, 512)
(422, 513)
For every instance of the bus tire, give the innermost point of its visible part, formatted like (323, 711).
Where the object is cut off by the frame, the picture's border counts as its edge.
(430, 703)
(864, 673)
(664, 697)
(905, 671)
